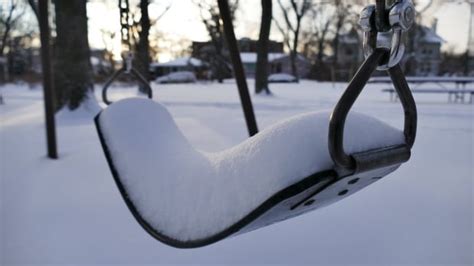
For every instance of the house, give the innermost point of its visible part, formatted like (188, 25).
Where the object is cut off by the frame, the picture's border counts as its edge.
(349, 55)
(191, 64)
(425, 59)
(220, 65)
(246, 45)
(427, 52)
(278, 61)
(349, 50)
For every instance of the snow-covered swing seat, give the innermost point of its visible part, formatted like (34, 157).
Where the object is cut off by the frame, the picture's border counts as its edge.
(188, 198)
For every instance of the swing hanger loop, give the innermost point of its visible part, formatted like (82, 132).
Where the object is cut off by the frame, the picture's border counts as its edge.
(400, 17)
(128, 61)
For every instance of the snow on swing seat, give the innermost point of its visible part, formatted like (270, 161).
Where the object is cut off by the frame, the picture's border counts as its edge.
(186, 195)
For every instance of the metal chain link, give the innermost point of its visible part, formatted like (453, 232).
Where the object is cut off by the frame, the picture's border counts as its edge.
(125, 34)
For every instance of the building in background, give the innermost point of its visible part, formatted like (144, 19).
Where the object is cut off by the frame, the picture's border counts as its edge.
(422, 58)
(188, 64)
(247, 45)
(278, 60)
(349, 55)
(426, 53)
(277, 63)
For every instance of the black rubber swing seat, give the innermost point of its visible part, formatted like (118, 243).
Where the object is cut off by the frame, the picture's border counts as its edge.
(188, 198)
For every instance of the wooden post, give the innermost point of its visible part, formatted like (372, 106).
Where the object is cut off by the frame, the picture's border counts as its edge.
(238, 67)
(48, 86)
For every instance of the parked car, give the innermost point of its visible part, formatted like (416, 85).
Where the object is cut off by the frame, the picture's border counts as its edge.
(281, 78)
(177, 77)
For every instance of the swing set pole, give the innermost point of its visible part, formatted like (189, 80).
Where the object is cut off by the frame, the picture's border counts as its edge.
(238, 67)
(48, 86)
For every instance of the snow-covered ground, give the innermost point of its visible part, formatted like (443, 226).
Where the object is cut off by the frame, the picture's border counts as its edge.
(70, 211)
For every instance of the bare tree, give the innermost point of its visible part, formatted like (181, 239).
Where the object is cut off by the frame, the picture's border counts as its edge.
(9, 17)
(141, 28)
(261, 73)
(315, 37)
(293, 15)
(142, 48)
(211, 19)
(344, 15)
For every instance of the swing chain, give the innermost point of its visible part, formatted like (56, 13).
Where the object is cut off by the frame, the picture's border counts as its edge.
(401, 16)
(125, 33)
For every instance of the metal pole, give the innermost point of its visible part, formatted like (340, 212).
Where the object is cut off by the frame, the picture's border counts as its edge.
(238, 67)
(48, 86)
(470, 42)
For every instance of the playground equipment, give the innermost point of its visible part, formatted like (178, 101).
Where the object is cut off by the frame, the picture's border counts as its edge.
(127, 55)
(186, 198)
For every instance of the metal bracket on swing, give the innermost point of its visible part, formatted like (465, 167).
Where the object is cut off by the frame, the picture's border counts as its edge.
(127, 68)
(378, 58)
(401, 16)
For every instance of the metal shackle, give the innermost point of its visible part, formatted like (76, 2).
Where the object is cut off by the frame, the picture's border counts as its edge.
(401, 18)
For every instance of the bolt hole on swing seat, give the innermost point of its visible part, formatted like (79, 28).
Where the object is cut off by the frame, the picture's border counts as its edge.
(188, 198)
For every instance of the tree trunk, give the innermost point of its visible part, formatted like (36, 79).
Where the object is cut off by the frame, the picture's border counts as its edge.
(142, 60)
(73, 70)
(335, 43)
(294, 52)
(321, 43)
(261, 73)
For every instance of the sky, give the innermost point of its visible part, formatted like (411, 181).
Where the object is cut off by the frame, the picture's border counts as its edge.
(182, 21)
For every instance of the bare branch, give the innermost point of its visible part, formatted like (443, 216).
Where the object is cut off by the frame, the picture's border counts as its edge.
(286, 37)
(285, 12)
(162, 13)
(34, 7)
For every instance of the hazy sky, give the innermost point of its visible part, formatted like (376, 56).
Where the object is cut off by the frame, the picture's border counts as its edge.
(182, 21)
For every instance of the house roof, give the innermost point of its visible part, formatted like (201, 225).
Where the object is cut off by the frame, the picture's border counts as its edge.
(180, 62)
(430, 36)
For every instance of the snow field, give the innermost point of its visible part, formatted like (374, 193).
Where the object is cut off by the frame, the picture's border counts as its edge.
(70, 211)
